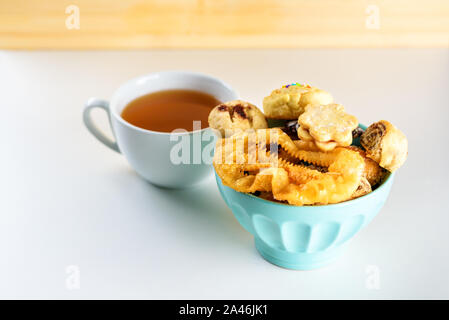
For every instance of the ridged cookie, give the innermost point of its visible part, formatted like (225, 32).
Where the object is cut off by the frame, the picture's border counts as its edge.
(328, 126)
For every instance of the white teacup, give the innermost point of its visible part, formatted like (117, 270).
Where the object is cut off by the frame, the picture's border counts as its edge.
(154, 154)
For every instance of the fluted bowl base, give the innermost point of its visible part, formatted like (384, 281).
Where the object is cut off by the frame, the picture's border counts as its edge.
(297, 261)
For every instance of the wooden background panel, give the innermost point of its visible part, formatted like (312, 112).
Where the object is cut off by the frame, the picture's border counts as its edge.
(106, 24)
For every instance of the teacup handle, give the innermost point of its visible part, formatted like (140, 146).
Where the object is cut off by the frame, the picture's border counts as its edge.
(87, 118)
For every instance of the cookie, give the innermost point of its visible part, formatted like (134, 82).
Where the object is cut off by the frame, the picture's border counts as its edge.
(328, 126)
(385, 144)
(289, 102)
(236, 115)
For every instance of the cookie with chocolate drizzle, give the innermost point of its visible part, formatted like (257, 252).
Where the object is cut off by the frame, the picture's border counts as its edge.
(236, 115)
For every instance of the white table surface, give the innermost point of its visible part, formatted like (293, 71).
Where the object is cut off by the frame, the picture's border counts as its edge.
(67, 200)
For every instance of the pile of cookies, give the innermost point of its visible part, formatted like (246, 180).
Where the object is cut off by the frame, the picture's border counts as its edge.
(310, 159)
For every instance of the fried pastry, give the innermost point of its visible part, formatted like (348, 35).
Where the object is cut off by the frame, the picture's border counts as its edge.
(289, 102)
(236, 115)
(294, 183)
(385, 144)
(373, 172)
(328, 126)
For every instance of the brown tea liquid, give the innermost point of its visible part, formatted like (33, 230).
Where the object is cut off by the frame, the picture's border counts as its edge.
(168, 110)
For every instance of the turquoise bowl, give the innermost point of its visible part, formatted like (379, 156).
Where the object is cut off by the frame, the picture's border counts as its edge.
(303, 237)
(308, 237)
